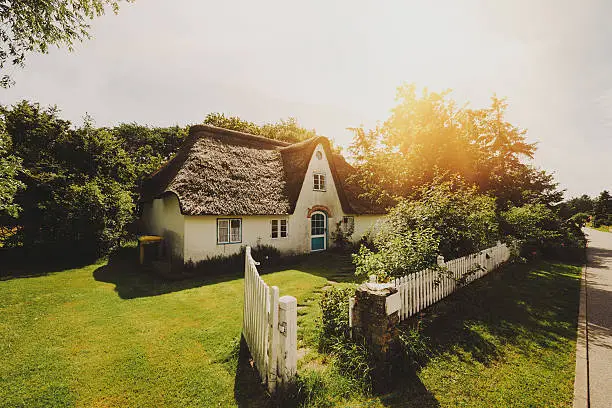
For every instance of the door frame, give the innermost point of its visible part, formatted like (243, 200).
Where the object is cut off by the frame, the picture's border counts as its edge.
(324, 235)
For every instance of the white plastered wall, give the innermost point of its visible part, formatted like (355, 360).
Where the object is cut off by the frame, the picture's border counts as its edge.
(201, 236)
(201, 231)
(163, 217)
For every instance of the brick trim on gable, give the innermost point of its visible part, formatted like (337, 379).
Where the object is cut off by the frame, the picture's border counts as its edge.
(319, 208)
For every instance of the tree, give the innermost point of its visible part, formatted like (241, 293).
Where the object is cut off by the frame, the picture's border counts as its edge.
(78, 183)
(428, 138)
(449, 219)
(575, 205)
(602, 209)
(148, 147)
(35, 25)
(286, 130)
(10, 166)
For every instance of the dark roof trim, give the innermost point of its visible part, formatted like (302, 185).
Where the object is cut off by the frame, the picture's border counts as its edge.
(246, 137)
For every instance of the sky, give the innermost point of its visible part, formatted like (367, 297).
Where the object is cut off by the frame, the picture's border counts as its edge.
(337, 64)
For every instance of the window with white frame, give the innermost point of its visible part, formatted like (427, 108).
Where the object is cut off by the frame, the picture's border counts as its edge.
(229, 230)
(279, 229)
(319, 182)
(348, 224)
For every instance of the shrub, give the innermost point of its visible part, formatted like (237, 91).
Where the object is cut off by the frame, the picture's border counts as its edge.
(397, 253)
(351, 359)
(580, 219)
(539, 229)
(448, 220)
(227, 264)
(335, 308)
(341, 237)
(463, 220)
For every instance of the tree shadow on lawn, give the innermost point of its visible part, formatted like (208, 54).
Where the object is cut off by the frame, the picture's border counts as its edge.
(527, 306)
(131, 280)
(17, 263)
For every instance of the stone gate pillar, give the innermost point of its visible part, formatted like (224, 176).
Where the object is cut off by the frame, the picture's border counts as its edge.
(375, 319)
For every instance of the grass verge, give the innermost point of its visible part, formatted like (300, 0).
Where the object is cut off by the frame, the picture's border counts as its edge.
(505, 340)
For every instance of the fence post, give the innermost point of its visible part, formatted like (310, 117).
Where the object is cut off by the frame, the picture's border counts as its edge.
(287, 356)
(273, 339)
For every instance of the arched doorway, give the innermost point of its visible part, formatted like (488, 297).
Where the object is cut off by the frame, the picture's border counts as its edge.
(318, 231)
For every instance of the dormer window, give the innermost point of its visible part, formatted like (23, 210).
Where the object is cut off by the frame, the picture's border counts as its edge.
(319, 182)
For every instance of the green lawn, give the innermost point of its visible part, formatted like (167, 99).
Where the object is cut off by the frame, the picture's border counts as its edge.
(603, 228)
(112, 336)
(506, 340)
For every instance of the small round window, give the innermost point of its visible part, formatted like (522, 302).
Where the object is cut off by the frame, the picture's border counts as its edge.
(319, 155)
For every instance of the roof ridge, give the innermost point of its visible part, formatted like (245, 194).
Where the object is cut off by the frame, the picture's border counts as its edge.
(240, 135)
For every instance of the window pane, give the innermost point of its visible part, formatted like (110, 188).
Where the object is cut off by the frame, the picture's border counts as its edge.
(223, 231)
(274, 228)
(236, 231)
(317, 223)
(322, 182)
(316, 182)
(283, 228)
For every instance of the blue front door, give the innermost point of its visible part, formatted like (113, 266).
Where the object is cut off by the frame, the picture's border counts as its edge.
(318, 231)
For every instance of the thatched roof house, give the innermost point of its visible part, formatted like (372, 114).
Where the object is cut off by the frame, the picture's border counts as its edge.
(228, 186)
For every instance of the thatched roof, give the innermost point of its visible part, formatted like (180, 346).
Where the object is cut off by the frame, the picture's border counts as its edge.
(224, 172)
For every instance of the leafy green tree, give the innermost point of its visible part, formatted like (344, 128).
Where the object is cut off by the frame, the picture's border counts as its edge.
(79, 183)
(602, 209)
(148, 147)
(95, 214)
(575, 205)
(10, 166)
(428, 139)
(286, 130)
(449, 219)
(35, 25)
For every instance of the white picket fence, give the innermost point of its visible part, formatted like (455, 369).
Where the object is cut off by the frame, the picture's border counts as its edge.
(422, 289)
(269, 328)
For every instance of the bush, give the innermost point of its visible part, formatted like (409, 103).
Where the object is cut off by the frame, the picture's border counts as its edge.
(351, 359)
(335, 308)
(267, 255)
(540, 230)
(464, 221)
(397, 253)
(341, 237)
(580, 219)
(448, 220)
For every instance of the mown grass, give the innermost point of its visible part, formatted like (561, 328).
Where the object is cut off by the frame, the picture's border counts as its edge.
(110, 335)
(506, 340)
(602, 228)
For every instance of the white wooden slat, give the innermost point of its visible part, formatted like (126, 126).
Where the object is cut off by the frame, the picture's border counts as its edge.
(419, 290)
(261, 327)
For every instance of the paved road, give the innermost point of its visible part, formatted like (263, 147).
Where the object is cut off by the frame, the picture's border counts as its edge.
(599, 317)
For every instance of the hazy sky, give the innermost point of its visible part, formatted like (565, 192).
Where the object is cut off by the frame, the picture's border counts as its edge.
(336, 64)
